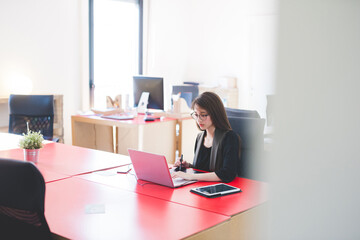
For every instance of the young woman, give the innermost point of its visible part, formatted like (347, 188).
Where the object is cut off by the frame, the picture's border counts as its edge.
(217, 147)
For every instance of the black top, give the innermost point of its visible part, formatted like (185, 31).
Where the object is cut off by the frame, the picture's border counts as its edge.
(230, 153)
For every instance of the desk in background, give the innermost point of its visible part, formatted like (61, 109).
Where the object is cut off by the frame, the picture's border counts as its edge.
(118, 135)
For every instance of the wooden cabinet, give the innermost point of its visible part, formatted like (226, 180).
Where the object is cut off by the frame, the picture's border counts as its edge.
(230, 96)
(58, 118)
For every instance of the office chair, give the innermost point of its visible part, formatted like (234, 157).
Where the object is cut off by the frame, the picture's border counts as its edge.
(37, 110)
(251, 132)
(233, 112)
(22, 194)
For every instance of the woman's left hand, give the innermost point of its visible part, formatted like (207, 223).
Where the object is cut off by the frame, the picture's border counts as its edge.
(180, 174)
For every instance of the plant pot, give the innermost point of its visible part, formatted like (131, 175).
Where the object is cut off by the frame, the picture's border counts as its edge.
(31, 155)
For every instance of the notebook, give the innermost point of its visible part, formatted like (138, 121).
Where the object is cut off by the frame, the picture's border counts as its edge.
(154, 168)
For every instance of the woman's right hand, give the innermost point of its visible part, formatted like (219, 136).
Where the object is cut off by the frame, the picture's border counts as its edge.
(184, 163)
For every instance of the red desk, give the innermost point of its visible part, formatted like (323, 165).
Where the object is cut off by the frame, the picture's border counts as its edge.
(253, 192)
(50, 176)
(70, 160)
(247, 210)
(75, 185)
(119, 214)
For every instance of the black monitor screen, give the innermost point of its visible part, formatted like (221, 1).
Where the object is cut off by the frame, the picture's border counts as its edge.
(154, 86)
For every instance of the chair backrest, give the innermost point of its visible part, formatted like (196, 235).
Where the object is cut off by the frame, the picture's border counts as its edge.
(22, 194)
(251, 132)
(37, 110)
(232, 112)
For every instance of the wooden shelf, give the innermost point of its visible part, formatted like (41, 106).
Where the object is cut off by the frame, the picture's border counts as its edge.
(230, 95)
(4, 129)
(58, 118)
(4, 100)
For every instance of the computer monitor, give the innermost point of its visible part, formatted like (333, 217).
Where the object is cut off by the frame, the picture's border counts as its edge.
(154, 86)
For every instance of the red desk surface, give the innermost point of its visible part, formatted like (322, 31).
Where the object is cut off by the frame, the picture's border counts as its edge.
(80, 209)
(50, 176)
(253, 192)
(70, 160)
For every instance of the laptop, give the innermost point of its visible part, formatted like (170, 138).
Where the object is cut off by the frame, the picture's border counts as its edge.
(154, 168)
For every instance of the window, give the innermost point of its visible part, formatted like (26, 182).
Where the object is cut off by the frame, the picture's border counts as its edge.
(115, 47)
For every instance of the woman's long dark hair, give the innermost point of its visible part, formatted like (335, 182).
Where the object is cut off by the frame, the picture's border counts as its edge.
(212, 103)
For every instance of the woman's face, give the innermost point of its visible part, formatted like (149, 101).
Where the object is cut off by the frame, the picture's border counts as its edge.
(202, 118)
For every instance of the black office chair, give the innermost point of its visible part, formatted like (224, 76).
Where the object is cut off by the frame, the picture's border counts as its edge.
(22, 194)
(251, 132)
(233, 112)
(37, 110)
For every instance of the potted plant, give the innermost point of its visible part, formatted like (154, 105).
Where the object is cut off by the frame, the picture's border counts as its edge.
(31, 143)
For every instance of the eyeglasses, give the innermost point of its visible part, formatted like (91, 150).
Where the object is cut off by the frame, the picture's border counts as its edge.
(196, 116)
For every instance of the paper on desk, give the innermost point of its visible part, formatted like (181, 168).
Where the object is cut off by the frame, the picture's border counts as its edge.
(95, 208)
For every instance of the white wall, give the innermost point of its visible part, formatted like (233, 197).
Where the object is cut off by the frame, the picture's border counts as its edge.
(187, 40)
(315, 178)
(204, 40)
(41, 40)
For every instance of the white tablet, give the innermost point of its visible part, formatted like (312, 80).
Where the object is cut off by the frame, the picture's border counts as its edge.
(215, 190)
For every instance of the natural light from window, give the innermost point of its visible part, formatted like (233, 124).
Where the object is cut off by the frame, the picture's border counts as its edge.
(116, 43)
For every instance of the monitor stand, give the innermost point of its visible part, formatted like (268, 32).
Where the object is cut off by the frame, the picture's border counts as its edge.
(143, 102)
(154, 111)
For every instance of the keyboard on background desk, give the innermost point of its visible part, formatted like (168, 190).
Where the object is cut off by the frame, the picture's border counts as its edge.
(119, 116)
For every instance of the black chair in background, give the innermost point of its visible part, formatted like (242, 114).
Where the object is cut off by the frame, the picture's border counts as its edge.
(22, 194)
(233, 112)
(250, 128)
(37, 110)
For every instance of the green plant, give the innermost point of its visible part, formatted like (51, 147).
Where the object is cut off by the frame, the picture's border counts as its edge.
(31, 140)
